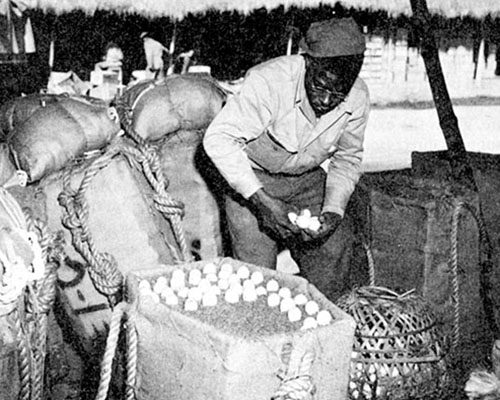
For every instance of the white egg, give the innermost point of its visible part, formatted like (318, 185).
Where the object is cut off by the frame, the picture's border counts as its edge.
(294, 314)
(211, 277)
(233, 279)
(292, 217)
(273, 300)
(314, 224)
(224, 274)
(248, 283)
(195, 293)
(177, 281)
(194, 277)
(190, 305)
(261, 291)
(162, 281)
(324, 317)
(144, 286)
(215, 290)
(285, 292)
(311, 307)
(306, 213)
(223, 284)
(166, 292)
(209, 300)
(243, 272)
(183, 293)
(300, 299)
(236, 287)
(158, 287)
(302, 221)
(178, 274)
(232, 296)
(272, 285)
(257, 277)
(171, 300)
(309, 323)
(204, 285)
(249, 294)
(209, 268)
(286, 304)
(226, 269)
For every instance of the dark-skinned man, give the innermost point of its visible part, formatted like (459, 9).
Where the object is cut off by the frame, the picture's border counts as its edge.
(292, 139)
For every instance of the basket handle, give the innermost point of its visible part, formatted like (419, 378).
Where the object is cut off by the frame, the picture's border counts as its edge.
(381, 292)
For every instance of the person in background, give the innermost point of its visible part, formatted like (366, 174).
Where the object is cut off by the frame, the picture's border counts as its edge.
(107, 76)
(290, 140)
(112, 59)
(153, 51)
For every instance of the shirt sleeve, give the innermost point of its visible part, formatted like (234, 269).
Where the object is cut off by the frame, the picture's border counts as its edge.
(344, 169)
(244, 117)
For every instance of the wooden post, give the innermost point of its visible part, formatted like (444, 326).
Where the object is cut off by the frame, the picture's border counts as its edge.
(460, 167)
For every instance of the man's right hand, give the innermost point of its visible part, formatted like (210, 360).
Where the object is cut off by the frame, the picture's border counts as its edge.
(273, 213)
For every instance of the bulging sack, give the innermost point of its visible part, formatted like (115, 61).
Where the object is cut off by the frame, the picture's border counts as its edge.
(186, 102)
(57, 132)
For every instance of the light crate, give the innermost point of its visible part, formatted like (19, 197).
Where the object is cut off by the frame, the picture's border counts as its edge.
(235, 351)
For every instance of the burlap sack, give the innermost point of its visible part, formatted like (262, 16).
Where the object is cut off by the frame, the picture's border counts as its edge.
(181, 357)
(179, 102)
(58, 132)
(17, 110)
(184, 167)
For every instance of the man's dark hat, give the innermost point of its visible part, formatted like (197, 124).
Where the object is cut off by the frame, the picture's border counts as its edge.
(333, 38)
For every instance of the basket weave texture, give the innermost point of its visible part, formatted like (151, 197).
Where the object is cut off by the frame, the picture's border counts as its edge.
(399, 350)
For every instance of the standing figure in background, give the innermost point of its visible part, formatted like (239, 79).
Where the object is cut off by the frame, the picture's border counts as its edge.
(153, 51)
(107, 76)
(270, 142)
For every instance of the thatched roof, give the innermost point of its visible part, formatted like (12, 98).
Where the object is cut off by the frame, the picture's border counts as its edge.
(179, 8)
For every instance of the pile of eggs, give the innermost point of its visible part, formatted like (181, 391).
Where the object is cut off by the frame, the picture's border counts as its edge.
(212, 284)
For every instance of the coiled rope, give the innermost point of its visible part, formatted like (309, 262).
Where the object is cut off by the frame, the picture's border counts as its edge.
(103, 268)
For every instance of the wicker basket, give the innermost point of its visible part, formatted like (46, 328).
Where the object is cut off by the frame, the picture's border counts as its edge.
(398, 351)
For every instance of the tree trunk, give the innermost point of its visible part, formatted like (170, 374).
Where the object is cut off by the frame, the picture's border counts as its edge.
(460, 167)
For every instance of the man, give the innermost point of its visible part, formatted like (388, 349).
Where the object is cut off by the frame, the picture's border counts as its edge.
(291, 115)
(153, 50)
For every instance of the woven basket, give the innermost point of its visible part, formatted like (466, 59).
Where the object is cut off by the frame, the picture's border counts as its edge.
(398, 351)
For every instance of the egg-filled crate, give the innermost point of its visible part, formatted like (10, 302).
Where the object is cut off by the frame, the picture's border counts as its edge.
(251, 315)
(399, 351)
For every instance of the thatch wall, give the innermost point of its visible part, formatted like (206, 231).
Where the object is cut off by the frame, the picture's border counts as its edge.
(178, 9)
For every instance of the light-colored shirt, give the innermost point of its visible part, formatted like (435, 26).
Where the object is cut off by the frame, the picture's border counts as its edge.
(270, 125)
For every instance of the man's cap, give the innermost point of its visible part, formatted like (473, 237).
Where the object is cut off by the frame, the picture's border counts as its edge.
(333, 38)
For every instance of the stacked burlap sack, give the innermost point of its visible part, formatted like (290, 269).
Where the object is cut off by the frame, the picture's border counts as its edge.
(45, 132)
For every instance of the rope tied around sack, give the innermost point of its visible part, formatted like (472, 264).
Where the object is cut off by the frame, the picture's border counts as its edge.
(147, 156)
(485, 254)
(103, 268)
(297, 383)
